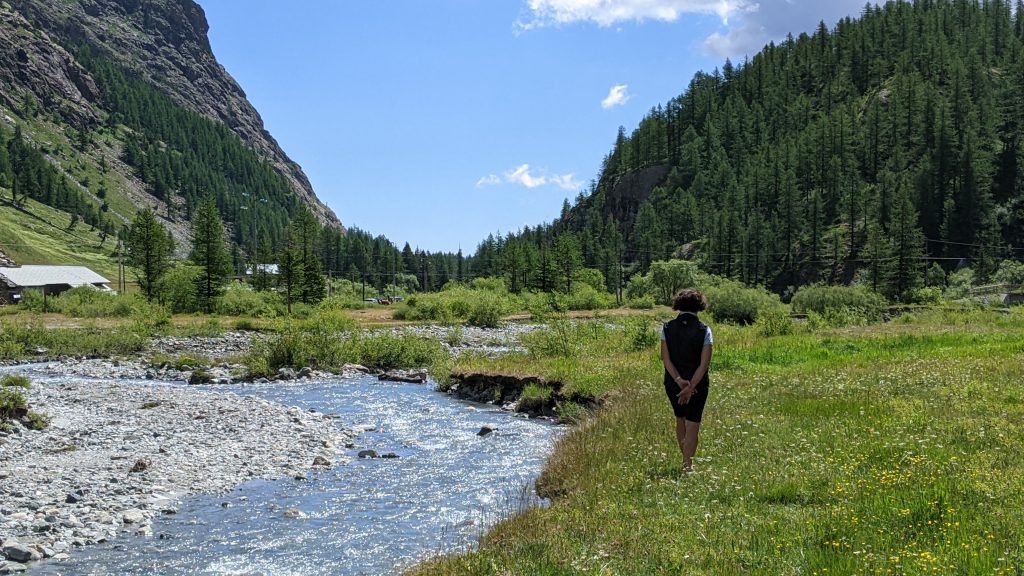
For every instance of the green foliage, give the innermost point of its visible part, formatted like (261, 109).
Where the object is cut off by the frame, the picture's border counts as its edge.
(959, 283)
(836, 301)
(88, 302)
(731, 301)
(1010, 272)
(640, 333)
(177, 288)
(241, 300)
(12, 403)
(534, 397)
(488, 310)
(209, 254)
(319, 343)
(19, 338)
(669, 277)
(183, 155)
(935, 276)
(926, 295)
(149, 248)
(455, 336)
(36, 421)
(774, 321)
(15, 381)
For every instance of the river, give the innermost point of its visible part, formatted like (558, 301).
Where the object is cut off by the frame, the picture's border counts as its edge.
(367, 516)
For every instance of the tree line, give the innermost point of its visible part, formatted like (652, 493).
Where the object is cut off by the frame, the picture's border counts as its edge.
(868, 152)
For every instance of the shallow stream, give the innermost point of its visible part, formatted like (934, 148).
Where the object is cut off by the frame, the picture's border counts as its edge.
(369, 516)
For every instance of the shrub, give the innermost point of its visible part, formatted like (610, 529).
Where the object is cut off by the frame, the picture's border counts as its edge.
(35, 421)
(1009, 272)
(176, 289)
(342, 302)
(586, 297)
(487, 311)
(959, 283)
(15, 381)
(534, 398)
(571, 412)
(639, 333)
(454, 337)
(12, 404)
(927, 295)
(645, 302)
(840, 302)
(299, 348)
(490, 284)
(774, 322)
(241, 300)
(731, 301)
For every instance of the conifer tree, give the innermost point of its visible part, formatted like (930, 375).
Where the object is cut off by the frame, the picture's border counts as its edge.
(149, 247)
(210, 254)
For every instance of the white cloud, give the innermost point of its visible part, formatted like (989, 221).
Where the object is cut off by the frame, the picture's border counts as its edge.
(489, 180)
(617, 96)
(527, 177)
(772, 21)
(522, 176)
(567, 182)
(606, 13)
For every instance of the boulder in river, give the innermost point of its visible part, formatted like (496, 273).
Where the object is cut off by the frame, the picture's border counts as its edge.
(367, 453)
(18, 552)
(321, 462)
(408, 376)
(485, 430)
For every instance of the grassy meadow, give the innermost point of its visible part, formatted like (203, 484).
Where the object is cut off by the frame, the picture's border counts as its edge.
(884, 449)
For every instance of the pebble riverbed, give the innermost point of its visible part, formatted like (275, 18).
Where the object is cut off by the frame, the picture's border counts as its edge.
(116, 454)
(124, 446)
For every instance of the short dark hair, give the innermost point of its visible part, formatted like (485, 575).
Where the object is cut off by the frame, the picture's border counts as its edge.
(689, 300)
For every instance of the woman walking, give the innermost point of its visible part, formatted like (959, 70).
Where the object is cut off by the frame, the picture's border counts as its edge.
(686, 344)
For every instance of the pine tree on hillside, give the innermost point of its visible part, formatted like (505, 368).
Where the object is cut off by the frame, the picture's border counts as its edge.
(210, 253)
(149, 248)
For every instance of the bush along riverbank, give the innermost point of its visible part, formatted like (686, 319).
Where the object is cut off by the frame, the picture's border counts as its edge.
(881, 448)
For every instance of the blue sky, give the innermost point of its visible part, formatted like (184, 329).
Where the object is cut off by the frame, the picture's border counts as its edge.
(438, 122)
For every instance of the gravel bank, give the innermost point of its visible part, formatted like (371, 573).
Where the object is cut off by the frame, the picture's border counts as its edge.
(116, 455)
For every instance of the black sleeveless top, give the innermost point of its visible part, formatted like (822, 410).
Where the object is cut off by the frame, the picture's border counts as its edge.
(685, 339)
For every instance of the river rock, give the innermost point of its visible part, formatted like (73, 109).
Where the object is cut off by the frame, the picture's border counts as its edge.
(485, 430)
(133, 516)
(286, 373)
(321, 462)
(19, 552)
(389, 455)
(12, 567)
(408, 376)
(306, 372)
(367, 454)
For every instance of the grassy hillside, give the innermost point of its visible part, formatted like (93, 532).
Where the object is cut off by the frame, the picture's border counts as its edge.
(38, 234)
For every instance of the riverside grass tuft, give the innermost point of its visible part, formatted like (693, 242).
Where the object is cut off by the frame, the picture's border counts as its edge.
(885, 449)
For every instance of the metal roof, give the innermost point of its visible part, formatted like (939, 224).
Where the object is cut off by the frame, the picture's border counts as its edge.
(36, 276)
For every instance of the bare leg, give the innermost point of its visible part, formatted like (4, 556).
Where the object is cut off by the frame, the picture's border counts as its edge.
(681, 435)
(689, 442)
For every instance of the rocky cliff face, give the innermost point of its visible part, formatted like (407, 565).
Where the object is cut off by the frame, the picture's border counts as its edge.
(163, 40)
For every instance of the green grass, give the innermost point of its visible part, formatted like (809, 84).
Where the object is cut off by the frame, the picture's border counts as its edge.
(38, 234)
(886, 449)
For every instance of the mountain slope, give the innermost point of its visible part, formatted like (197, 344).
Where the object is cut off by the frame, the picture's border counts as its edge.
(886, 144)
(106, 90)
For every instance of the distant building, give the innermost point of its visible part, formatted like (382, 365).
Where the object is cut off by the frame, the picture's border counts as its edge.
(271, 269)
(51, 280)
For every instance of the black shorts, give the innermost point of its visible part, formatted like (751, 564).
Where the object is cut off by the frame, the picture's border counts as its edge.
(692, 410)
